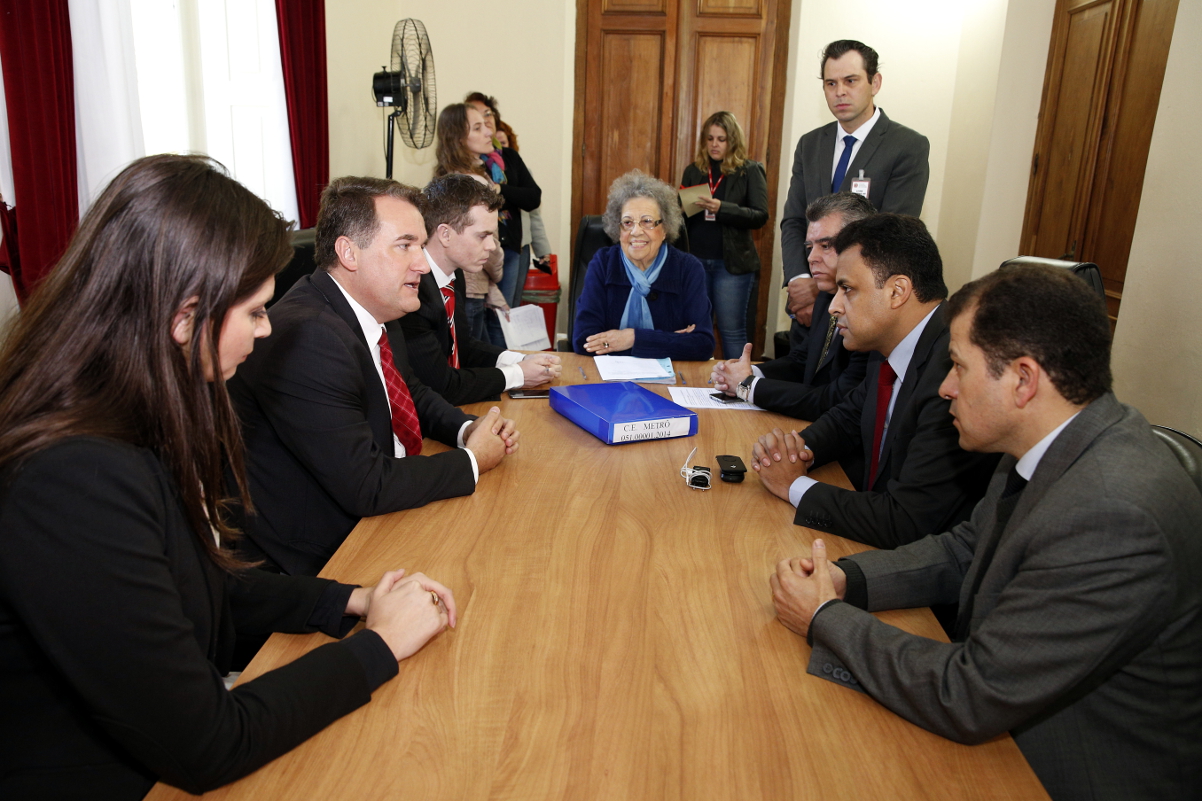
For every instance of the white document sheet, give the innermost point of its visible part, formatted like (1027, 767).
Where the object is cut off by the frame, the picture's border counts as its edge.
(526, 328)
(700, 398)
(628, 368)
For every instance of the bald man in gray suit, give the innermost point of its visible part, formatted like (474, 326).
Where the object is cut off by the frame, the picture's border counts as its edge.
(1080, 625)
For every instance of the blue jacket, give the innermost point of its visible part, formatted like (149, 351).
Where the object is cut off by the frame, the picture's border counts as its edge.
(678, 299)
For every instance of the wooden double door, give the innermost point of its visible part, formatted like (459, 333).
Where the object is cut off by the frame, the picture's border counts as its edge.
(648, 73)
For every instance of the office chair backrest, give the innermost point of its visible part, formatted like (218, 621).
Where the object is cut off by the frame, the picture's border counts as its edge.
(304, 245)
(1087, 270)
(1187, 450)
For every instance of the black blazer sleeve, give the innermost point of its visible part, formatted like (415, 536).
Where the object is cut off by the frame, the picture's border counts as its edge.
(100, 570)
(519, 190)
(811, 401)
(750, 211)
(428, 341)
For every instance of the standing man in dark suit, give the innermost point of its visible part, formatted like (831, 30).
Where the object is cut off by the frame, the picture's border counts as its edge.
(461, 226)
(863, 151)
(821, 373)
(332, 416)
(893, 434)
(1080, 626)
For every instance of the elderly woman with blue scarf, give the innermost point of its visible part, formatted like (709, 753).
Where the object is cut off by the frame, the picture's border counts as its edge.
(643, 297)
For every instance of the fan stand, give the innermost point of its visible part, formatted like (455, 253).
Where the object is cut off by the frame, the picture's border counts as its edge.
(388, 148)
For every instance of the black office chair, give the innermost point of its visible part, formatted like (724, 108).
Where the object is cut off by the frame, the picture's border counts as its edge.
(591, 237)
(1087, 270)
(304, 246)
(1187, 450)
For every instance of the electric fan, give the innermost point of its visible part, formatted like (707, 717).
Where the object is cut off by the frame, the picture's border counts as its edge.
(409, 87)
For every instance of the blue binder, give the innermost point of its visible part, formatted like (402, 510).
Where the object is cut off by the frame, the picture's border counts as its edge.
(620, 412)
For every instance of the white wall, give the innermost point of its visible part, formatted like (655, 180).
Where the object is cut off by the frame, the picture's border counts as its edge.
(522, 53)
(1158, 343)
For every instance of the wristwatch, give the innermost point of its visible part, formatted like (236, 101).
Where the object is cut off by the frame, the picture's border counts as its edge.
(744, 387)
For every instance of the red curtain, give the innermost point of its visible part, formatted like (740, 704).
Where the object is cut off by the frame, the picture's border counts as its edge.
(39, 89)
(302, 26)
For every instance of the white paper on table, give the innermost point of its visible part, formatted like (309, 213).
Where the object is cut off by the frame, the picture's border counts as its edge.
(699, 398)
(526, 328)
(630, 368)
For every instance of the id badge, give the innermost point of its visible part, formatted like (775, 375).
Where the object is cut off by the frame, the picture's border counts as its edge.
(711, 216)
(861, 185)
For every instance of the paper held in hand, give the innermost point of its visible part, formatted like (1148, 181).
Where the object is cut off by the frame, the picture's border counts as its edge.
(526, 328)
(689, 196)
(630, 368)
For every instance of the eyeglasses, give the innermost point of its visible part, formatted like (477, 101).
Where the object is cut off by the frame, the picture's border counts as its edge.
(697, 478)
(646, 223)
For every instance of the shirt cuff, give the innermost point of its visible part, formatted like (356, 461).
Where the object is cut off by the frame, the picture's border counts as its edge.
(751, 389)
(799, 488)
(756, 371)
(514, 377)
(459, 443)
(508, 357)
(800, 275)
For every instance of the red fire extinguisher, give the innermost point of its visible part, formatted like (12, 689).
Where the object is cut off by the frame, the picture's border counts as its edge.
(542, 289)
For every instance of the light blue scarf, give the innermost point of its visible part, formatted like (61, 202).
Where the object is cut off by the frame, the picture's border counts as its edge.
(637, 313)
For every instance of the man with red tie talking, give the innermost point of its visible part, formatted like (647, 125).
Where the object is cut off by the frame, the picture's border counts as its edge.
(893, 435)
(332, 415)
(461, 223)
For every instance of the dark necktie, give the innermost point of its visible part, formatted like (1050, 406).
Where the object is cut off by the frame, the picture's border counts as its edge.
(1015, 484)
(404, 416)
(448, 300)
(826, 345)
(884, 393)
(844, 160)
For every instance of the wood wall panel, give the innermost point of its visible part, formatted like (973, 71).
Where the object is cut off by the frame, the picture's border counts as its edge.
(634, 7)
(631, 108)
(732, 88)
(753, 8)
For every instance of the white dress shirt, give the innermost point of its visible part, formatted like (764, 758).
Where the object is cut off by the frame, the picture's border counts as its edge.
(371, 332)
(860, 134)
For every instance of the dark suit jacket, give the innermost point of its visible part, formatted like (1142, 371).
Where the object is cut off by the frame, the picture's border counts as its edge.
(892, 155)
(801, 386)
(1085, 638)
(925, 482)
(116, 626)
(744, 208)
(428, 337)
(318, 430)
(678, 299)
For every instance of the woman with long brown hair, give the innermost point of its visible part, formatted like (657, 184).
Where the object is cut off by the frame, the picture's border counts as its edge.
(720, 233)
(464, 143)
(120, 599)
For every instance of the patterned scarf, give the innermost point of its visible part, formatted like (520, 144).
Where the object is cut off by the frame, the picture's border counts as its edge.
(494, 165)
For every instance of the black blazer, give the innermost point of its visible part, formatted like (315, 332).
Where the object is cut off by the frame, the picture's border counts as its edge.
(428, 337)
(521, 193)
(744, 208)
(925, 482)
(116, 626)
(318, 430)
(801, 386)
(893, 156)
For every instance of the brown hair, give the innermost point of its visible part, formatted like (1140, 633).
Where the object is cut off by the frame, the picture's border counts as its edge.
(736, 143)
(452, 154)
(348, 208)
(93, 352)
(449, 200)
(498, 123)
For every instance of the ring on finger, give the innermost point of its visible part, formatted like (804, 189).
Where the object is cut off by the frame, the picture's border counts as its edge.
(433, 597)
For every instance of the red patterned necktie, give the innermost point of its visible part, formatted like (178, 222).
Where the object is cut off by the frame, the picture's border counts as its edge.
(884, 392)
(448, 300)
(404, 416)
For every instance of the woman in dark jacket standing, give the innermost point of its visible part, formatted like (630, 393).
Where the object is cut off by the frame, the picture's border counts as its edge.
(720, 234)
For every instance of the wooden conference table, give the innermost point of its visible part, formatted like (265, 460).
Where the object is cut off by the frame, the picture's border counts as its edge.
(616, 640)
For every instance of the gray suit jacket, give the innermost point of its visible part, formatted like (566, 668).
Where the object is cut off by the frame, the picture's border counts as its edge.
(893, 156)
(1085, 639)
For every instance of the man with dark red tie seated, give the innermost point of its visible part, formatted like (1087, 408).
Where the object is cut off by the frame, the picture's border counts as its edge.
(332, 415)
(461, 223)
(893, 435)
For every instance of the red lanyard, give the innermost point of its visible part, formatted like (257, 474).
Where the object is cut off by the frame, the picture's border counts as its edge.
(709, 179)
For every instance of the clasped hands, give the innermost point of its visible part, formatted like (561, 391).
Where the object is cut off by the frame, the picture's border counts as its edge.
(728, 374)
(618, 339)
(406, 611)
(540, 368)
(800, 586)
(491, 438)
(780, 459)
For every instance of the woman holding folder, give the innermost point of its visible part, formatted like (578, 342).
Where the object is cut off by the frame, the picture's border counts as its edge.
(642, 297)
(120, 598)
(720, 229)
